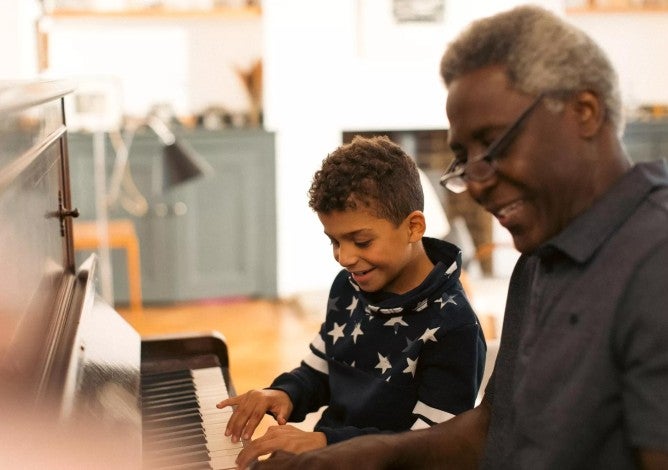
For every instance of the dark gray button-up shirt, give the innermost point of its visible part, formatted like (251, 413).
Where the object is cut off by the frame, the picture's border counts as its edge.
(582, 373)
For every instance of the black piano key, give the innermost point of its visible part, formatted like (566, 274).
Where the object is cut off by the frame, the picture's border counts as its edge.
(171, 390)
(163, 385)
(184, 406)
(186, 457)
(169, 442)
(171, 407)
(173, 420)
(159, 376)
(187, 466)
(181, 448)
(173, 432)
(168, 398)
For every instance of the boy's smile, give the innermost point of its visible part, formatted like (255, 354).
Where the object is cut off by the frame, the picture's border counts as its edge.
(378, 254)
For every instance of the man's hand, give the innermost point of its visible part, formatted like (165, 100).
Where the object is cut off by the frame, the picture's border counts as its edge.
(368, 452)
(251, 407)
(455, 444)
(287, 438)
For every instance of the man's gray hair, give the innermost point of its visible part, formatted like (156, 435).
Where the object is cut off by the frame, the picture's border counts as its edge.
(541, 53)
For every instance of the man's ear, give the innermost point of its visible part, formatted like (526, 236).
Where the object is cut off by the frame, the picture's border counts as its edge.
(416, 226)
(590, 113)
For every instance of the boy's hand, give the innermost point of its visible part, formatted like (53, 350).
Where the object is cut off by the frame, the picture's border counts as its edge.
(251, 407)
(287, 438)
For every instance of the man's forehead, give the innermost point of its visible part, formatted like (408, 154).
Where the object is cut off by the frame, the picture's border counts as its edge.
(480, 87)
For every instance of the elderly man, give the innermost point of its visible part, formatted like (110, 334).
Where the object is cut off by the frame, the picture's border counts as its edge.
(581, 379)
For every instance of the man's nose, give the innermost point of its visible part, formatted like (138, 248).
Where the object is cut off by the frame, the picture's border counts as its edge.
(478, 189)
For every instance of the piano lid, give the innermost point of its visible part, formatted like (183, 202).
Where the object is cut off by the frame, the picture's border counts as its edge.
(19, 95)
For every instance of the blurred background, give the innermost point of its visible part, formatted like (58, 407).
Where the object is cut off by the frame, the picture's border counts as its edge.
(257, 93)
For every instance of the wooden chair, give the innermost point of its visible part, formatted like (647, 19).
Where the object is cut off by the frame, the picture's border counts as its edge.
(121, 235)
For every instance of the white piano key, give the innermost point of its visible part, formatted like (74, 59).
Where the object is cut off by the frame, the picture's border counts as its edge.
(209, 389)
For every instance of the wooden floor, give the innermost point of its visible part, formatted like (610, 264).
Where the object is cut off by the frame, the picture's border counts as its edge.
(264, 337)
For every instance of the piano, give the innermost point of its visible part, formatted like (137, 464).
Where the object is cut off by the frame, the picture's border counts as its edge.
(79, 387)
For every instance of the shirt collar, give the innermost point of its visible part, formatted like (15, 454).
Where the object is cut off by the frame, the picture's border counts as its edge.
(582, 237)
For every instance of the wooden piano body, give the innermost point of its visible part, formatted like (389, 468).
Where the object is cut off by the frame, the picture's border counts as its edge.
(72, 370)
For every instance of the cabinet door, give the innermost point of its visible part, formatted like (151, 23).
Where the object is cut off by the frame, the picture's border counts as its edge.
(646, 141)
(227, 233)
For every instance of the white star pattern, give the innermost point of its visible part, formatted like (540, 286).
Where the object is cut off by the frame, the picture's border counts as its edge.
(428, 334)
(443, 301)
(336, 332)
(357, 332)
(352, 306)
(395, 323)
(383, 363)
(422, 305)
(412, 364)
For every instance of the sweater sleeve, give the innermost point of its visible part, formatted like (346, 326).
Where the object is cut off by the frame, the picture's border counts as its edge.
(307, 385)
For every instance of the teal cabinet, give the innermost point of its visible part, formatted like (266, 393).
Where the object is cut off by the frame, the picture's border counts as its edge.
(646, 140)
(209, 238)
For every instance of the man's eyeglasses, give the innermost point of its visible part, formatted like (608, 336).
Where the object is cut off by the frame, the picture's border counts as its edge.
(484, 166)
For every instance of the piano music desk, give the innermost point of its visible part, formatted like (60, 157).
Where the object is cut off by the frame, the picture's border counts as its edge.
(121, 235)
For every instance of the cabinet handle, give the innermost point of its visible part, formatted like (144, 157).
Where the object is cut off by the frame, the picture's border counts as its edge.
(180, 208)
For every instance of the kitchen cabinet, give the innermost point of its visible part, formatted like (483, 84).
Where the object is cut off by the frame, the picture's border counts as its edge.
(646, 140)
(208, 238)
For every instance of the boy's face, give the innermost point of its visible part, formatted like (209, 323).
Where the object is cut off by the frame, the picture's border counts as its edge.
(378, 255)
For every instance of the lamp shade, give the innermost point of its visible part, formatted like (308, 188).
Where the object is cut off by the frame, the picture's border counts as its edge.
(181, 163)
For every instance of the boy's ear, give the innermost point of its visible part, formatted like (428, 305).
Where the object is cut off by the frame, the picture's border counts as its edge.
(416, 226)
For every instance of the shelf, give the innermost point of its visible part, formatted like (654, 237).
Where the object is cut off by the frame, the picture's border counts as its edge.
(618, 6)
(158, 13)
(626, 10)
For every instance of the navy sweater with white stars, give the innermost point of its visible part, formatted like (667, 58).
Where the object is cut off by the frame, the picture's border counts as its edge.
(387, 362)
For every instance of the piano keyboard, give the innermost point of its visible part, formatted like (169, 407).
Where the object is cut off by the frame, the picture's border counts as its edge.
(182, 428)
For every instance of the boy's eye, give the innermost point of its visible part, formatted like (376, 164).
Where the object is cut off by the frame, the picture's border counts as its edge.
(363, 244)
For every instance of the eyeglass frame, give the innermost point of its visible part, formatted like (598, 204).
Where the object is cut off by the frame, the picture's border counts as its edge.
(454, 177)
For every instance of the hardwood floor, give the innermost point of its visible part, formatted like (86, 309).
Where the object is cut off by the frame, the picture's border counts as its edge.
(264, 337)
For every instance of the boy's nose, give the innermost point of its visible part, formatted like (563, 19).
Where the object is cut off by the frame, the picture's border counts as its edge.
(346, 256)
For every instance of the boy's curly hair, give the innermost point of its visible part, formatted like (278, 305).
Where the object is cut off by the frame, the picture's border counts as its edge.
(374, 173)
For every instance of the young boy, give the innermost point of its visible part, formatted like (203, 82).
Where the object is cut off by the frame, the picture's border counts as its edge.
(400, 347)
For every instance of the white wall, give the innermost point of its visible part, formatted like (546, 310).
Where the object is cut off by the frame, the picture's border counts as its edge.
(637, 45)
(188, 63)
(17, 33)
